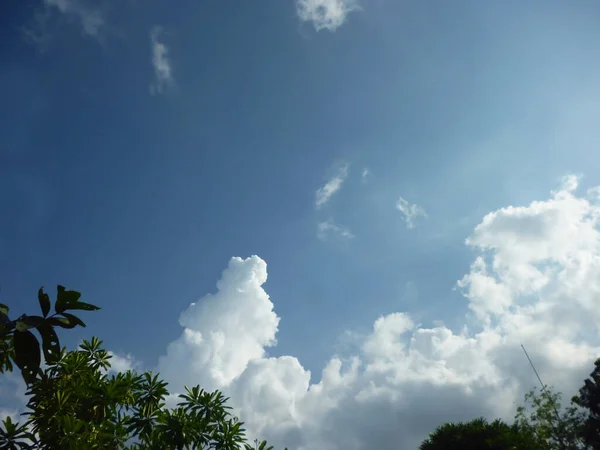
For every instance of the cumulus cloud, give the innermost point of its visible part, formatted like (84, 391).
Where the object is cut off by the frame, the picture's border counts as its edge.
(410, 211)
(535, 281)
(328, 229)
(325, 192)
(122, 363)
(224, 331)
(163, 73)
(91, 19)
(325, 14)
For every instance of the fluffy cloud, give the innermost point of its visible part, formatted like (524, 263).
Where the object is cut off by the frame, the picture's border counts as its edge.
(122, 363)
(325, 192)
(224, 331)
(534, 281)
(163, 73)
(328, 229)
(90, 18)
(325, 14)
(410, 212)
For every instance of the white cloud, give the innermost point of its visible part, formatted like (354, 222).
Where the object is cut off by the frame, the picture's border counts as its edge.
(91, 19)
(328, 229)
(325, 192)
(12, 396)
(12, 413)
(325, 14)
(224, 331)
(594, 193)
(535, 281)
(163, 73)
(122, 363)
(410, 212)
(570, 182)
(365, 175)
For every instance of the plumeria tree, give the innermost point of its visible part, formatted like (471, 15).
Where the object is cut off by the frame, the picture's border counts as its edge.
(76, 402)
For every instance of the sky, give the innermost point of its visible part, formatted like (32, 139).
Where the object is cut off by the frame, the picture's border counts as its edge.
(347, 215)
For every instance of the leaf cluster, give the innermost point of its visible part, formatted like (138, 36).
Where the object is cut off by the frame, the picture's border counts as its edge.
(18, 343)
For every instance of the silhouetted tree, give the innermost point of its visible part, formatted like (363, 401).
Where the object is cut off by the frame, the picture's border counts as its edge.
(481, 435)
(589, 400)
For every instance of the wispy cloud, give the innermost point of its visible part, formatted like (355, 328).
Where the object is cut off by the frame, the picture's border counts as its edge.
(570, 182)
(365, 175)
(325, 14)
(329, 229)
(52, 14)
(594, 193)
(325, 192)
(163, 73)
(410, 212)
(90, 18)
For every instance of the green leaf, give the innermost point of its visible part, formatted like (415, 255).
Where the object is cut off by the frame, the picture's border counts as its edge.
(26, 322)
(35, 320)
(82, 306)
(62, 322)
(27, 354)
(4, 309)
(5, 322)
(44, 302)
(74, 320)
(65, 298)
(50, 342)
(22, 325)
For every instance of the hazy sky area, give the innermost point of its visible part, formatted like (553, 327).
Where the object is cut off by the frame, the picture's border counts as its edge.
(347, 215)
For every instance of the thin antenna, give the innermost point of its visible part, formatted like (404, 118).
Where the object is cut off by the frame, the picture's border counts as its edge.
(541, 383)
(545, 392)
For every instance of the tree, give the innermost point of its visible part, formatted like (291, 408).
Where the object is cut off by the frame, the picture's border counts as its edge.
(541, 424)
(19, 345)
(76, 403)
(481, 435)
(589, 400)
(543, 414)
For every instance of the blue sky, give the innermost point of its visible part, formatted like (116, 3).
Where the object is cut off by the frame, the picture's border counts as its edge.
(143, 145)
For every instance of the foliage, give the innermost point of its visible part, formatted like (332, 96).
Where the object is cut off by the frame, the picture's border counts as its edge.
(543, 414)
(589, 400)
(19, 345)
(481, 435)
(75, 402)
(540, 424)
